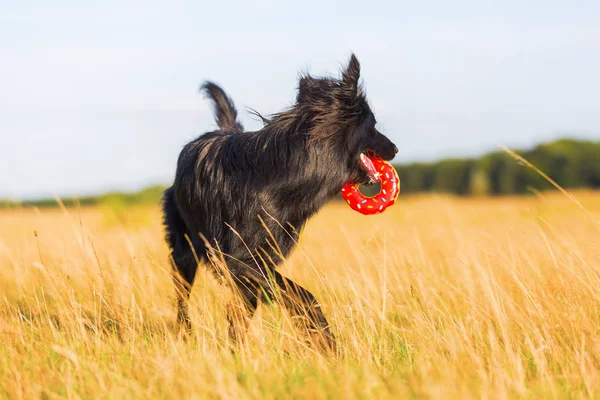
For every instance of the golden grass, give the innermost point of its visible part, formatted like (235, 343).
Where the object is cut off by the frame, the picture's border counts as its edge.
(438, 297)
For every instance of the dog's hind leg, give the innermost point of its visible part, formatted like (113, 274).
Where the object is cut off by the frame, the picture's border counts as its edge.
(185, 266)
(183, 259)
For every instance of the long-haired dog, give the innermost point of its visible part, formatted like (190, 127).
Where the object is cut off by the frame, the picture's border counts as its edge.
(249, 194)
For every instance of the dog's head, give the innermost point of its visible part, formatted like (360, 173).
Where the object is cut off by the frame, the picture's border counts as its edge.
(341, 121)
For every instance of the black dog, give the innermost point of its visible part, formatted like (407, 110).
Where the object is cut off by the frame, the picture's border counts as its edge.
(250, 193)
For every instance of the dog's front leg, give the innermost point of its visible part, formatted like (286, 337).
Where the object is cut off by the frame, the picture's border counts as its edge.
(240, 311)
(303, 304)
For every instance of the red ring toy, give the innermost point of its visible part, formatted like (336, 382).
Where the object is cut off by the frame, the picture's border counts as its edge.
(390, 189)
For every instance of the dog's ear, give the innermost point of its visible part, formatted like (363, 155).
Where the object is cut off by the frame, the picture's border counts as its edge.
(351, 75)
(305, 87)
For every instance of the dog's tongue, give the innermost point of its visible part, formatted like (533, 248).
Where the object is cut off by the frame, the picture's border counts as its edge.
(369, 168)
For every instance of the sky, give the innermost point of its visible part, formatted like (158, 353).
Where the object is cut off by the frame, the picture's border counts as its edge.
(98, 96)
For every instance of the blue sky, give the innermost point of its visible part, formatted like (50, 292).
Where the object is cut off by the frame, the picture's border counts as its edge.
(103, 95)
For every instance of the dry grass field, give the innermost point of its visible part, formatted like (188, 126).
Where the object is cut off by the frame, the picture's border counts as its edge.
(438, 297)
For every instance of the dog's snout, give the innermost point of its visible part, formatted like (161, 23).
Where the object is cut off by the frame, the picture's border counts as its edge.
(395, 149)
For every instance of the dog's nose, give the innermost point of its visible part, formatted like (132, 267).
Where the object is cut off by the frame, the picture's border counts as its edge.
(395, 149)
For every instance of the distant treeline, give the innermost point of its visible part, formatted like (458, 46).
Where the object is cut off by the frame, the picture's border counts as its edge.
(149, 195)
(571, 163)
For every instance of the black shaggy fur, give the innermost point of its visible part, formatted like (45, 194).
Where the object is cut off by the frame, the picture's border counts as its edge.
(250, 193)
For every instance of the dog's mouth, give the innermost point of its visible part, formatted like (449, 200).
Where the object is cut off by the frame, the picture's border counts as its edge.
(367, 165)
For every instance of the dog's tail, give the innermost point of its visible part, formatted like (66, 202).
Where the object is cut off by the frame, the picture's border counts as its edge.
(225, 112)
